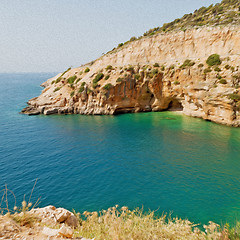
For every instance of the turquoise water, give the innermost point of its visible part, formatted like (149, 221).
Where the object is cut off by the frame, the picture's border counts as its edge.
(162, 161)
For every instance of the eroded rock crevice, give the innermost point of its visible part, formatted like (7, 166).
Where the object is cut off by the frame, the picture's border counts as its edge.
(175, 105)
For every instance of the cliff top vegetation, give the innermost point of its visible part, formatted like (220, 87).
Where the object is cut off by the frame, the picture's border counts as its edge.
(224, 13)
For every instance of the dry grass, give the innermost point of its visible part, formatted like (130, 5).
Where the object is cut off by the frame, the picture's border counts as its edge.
(121, 223)
(118, 224)
(24, 219)
(21, 215)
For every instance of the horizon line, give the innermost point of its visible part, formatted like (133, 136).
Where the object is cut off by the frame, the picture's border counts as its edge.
(27, 72)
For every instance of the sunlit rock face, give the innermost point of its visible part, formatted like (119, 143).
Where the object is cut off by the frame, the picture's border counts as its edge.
(149, 74)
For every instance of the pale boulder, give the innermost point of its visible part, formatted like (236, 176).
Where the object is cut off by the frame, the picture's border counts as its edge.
(50, 232)
(66, 232)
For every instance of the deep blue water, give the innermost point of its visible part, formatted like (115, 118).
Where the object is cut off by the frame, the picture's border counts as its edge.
(162, 161)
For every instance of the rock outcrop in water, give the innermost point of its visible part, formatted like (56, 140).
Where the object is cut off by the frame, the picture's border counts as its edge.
(155, 73)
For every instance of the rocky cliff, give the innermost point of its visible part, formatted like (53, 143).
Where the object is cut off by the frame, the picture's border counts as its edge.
(155, 73)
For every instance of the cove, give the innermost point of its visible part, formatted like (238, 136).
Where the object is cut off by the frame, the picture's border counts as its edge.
(161, 160)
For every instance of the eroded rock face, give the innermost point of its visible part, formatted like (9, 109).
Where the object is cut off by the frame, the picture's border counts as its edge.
(128, 80)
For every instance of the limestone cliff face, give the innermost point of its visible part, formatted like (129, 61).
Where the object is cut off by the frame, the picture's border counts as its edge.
(128, 79)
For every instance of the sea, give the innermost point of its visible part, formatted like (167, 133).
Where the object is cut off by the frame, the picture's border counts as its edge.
(163, 161)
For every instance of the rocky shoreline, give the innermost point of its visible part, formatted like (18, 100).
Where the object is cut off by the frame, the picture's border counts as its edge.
(162, 72)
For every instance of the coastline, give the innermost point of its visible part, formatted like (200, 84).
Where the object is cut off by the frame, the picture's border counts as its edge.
(203, 83)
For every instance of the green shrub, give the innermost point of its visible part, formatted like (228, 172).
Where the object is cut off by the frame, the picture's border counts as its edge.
(120, 45)
(136, 76)
(217, 69)
(58, 80)
(172, 67)
(176, 82)
(220, 14)
(66, 71)
(72, 79)
(162, 68)
(156, 65)
(109, 67)
(119, 79)
(107, 77)
(155, 71)
(53, 82)
(187, 63)
(87, 70)
(213, 60)
(78, 80)
(81, 89)
(236, 76)
(145, 67)
(207, 70)
(200, 65)
(98, 77)
(83, 84)
(89, 91)
(108, 86)
(95, 85)
(72, 93)
(56, 89)
(227, 67)
(132, 39)
(223, 81)
(219, 76)
(152, 73)
(234, 96)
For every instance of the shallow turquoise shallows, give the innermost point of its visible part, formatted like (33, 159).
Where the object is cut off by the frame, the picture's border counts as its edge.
(162, 161)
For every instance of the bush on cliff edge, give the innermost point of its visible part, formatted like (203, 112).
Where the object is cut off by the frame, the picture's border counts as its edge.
(213, 60)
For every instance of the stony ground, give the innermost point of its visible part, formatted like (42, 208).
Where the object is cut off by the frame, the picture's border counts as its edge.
(41, 223)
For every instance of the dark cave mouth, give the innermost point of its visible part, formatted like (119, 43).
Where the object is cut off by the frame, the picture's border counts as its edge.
(175, 105)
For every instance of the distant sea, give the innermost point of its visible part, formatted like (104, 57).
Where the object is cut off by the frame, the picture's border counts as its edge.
(162, 161)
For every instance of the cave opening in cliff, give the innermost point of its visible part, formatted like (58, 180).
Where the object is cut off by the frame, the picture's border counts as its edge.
(175, 105)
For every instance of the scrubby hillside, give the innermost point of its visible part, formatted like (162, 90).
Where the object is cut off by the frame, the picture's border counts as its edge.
(225, 13)
(195, 70)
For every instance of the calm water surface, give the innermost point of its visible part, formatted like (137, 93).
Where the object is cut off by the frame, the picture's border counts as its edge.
(162, 161)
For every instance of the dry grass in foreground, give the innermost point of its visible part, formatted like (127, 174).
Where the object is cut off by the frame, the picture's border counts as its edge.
(27, 222)
(121, 223)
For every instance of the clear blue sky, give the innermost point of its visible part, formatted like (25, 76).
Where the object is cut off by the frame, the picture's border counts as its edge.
(51, 35)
